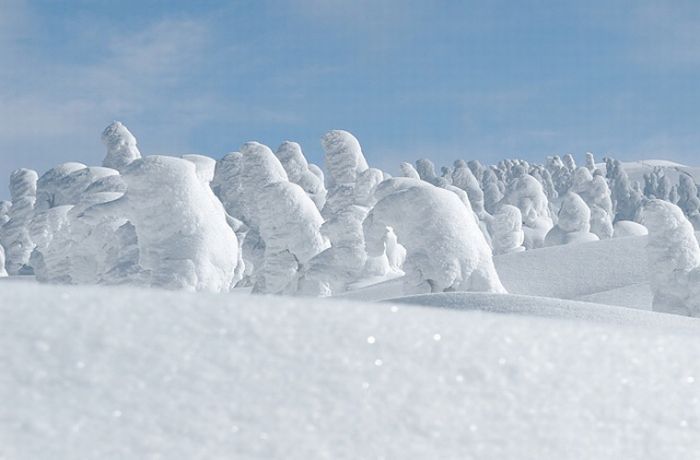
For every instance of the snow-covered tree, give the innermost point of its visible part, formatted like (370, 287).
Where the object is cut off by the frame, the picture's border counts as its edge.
(506, 229)
(596, 194)
(407, 170)
(238, 182)
(4, 213)
(674, 256)
(335, 268)
(298, 172)
(290, 227)
(3, 272)
(688, 199)
(573, 224)
(477, 169)
(426, 171)
(14, 234)
(493, 191)
(463, 178)
(344, 163)
(184, 239)
(590, 162)
(121, 146)
(445, 247)
(526, 194)
(627, 200)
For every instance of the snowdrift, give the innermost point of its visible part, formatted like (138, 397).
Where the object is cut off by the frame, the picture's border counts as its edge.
(106, 373)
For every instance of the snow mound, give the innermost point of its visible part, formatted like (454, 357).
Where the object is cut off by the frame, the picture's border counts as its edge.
(97, 373)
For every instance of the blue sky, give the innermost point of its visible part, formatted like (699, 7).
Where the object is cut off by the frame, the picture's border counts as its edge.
(411, 79)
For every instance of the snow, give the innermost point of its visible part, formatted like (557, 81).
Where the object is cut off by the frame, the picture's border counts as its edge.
(183, 237)
(445, 248)
(102, 373)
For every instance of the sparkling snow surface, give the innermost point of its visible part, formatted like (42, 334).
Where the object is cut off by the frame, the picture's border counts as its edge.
(106, 373)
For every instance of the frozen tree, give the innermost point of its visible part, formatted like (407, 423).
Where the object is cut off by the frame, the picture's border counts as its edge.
(52, 186)
(14, 234)
(688, 199)
(290, 227)
(351, 185)
(318, 172)
(674, 257)
(184, 240)
(477, 169)
(238, 182)
(335, 268)
(121, 146)
(426, 171)
(4, 213)
(344, 158)
(674, 196)
(527, 195)
(298, 172)
(365, 186)
(3, 272)
(407, 170)
(493, 191)
(590, 162)
(573, 224)
(627, 200)
(569, 162)
(463, 178)
(506, 229)
(445, 249)
(624, 228)
(205, 168)
(595, 193)
(344, 163)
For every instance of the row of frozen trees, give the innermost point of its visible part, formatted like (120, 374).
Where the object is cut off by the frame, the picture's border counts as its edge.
(275, 222)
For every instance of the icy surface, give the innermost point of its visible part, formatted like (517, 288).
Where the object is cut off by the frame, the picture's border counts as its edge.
(93, 373)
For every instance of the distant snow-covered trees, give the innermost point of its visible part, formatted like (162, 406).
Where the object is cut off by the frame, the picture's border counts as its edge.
(278, 224)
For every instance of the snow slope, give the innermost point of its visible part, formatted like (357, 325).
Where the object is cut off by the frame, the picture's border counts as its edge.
(575, 270)
(106, 373)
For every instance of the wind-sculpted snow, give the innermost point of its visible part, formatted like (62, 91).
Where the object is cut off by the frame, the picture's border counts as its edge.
(445, 248)
(121, 146)
(103, 374)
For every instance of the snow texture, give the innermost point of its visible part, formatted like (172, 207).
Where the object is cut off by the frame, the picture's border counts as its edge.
(104, 374)
(526, 194)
